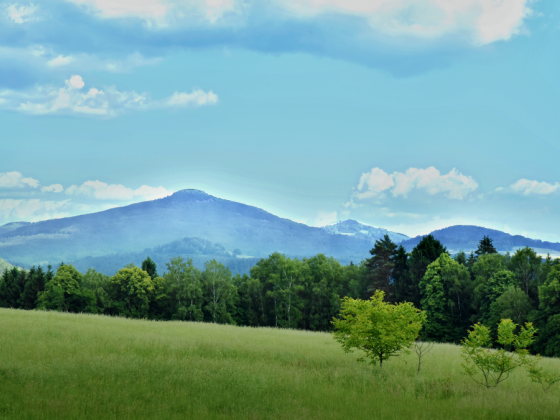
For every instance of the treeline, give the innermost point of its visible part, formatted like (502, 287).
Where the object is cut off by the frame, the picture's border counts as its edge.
(455, 292)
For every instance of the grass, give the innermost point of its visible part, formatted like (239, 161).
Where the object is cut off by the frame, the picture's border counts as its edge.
(65, 366)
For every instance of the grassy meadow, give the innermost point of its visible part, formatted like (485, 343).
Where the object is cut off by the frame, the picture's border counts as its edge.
(66, 366)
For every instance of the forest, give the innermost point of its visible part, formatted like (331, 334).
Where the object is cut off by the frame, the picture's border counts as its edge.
(454, 291)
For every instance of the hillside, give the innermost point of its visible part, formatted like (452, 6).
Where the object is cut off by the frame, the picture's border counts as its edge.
(187, 213)
(466, 238)
(67, 366)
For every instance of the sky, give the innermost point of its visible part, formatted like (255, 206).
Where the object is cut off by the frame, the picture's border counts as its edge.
(411, 115)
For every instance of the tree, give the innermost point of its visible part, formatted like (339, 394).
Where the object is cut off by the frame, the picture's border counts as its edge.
(401, 276)
(512, 304)
(380, 329)
(461, 258)
(98, 284)
(12, 286)
(251, 305)
(220, 294)
(426, 252)
(132, 290)
(485, 247)
(63, 292)
(445, 291)
(548, 317)
(491, 367)
(526, 265)
(483, 270)
(35, 284)
(185, 289)
(150, 267)
(380, 267)
(489, 291)
(323, 284)
(422, 348)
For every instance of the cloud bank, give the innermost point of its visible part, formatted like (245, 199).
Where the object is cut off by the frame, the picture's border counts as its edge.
(376, 183)
(527, 187)
(72, 98)
(103, 191)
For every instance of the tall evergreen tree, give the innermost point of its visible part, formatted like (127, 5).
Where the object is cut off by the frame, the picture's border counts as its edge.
(149, 266)
(12, 286)
(426, 252)
(485, 246)
(36, 280)
(379, 268)
(401, 276)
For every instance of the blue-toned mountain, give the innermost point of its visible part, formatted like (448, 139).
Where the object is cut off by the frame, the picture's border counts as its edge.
(240, 229)
(466, 238)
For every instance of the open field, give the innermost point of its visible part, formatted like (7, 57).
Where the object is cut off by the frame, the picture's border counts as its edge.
(62, 366)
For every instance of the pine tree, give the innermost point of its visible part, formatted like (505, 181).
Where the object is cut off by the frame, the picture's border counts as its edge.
(149, 266)
(380, 266)
(485, 246)
(36, 279)
(426, 252)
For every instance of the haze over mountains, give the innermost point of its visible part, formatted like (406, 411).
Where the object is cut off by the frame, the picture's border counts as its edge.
(196, 225)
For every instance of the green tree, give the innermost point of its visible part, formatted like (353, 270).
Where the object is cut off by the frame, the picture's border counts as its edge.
(35, 284)
(380, 267)
(426, 252)
(401, 276)
(323, 284)
(491, 367)
(526, 265)
(548, 318)
(461, 258)
(131, 291)
(380, 329)
(98, 284)
(185, 289)
(63, 292)
(445, 291)
(485, 246)
(220, 294)
(489, 291)
(512, 304)
(149, 266)
(12, 285)
(251, 305)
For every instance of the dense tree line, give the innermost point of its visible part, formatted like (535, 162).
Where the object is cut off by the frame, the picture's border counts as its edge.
(453, 291)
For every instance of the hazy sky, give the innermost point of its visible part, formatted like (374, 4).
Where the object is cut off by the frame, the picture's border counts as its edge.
(411, 115)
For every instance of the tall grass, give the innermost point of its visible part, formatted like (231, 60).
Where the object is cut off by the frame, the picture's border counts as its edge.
(64, 366)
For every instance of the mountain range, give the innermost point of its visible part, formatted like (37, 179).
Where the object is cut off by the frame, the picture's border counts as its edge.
(196, 225)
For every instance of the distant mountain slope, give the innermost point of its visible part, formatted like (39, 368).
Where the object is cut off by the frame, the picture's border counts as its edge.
(199, 250)
(187, 213)
(361, 230)
(4, 265)
(466, 238)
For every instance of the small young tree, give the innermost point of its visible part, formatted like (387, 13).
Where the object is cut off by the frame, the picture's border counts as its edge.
(380, 329)
(489, 367)
(542, 377)
(422, 348)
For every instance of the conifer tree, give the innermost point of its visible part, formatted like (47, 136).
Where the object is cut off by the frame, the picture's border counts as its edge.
(380, 267)
(485, 246)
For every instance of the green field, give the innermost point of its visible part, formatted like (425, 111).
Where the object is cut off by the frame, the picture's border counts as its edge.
(66, 366)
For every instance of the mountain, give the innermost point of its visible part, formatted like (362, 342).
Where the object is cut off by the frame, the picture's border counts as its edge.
(247, 230)
(360, 230)
(466, 238)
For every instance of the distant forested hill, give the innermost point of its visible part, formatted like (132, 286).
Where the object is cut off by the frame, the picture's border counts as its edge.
(466, 238)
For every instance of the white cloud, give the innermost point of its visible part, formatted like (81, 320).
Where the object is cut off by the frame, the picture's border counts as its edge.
(60, 61)
(325, 218)
(32, 210)
(16, 180)
(454, 184)
(21, 14)
(53, 188)
(526, 187)
(108, 102)
(197, 97)
(104, 191)
(483, 21)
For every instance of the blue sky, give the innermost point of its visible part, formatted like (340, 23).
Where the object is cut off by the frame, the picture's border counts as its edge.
(411, 115)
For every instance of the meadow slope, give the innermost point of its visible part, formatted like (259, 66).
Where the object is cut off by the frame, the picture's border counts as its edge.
(67, 366)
